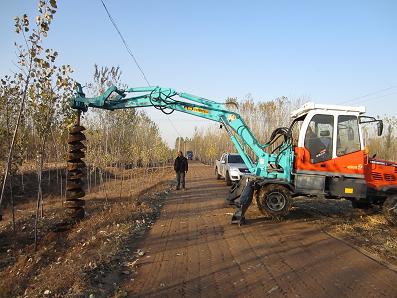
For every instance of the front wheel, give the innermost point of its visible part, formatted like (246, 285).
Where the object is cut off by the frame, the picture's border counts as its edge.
(390, 209)
(274, 200)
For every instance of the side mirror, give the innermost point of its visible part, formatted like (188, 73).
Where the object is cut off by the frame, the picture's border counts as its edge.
(380, 127)
(223, 161)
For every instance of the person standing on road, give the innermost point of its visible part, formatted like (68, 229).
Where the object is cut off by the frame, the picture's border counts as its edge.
(180, 167)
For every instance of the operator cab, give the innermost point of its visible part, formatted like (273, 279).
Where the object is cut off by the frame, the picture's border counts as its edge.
(330, 155)
(328, 132)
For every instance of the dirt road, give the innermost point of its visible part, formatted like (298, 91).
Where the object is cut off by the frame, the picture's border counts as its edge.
(193, 250)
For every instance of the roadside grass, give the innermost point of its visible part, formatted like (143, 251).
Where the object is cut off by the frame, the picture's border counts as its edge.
(90, 257)
(367, 229)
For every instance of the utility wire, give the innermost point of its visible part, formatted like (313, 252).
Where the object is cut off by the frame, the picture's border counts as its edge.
(133, 56)
(369, 94)
(172, 124)
(377, 97)
(125, 43)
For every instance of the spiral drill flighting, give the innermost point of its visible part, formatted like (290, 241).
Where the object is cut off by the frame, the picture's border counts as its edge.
(75, 172)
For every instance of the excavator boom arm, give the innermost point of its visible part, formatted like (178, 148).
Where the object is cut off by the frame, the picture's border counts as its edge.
(167, 99)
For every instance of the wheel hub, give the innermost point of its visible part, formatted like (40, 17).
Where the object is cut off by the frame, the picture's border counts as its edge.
(276, 201)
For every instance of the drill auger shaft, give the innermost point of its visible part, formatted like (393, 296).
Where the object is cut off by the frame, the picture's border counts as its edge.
(75, 172)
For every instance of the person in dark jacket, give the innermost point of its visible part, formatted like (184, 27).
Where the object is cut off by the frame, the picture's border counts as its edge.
(180, 167)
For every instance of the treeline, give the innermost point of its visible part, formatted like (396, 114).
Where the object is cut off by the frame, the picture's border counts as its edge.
(123, 137)
(35, 112)
(34, 109)
(263, 117)
(385, 147)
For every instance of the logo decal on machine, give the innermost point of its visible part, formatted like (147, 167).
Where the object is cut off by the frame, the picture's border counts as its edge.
(356, 167)
(349, 190)
(231, 117)
(197, 110)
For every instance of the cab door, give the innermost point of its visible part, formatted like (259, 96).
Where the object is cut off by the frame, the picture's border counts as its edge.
(318, 144)
(331, 146)
(349, 146)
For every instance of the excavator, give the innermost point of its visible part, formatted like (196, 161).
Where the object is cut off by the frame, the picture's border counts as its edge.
(322, 152)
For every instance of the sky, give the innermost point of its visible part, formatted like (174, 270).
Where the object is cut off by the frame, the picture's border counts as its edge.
(332, 52)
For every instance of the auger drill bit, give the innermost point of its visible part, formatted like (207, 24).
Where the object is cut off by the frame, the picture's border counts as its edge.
(75, 172)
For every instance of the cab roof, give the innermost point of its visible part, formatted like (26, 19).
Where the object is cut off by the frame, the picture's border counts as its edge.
(309, 106)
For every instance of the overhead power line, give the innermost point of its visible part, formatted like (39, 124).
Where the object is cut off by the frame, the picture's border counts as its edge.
(133, 57)
(172, 124)
(376, 97)
(125, 43)
(369, 95)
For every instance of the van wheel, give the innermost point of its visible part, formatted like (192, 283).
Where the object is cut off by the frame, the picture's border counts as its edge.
(274, 200)
(390, 209)
(217, 174)
(228, 180)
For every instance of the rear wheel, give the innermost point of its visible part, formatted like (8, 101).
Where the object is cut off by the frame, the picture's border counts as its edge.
(228, 180)
(274, 200)
(217, 174)
(390, 209)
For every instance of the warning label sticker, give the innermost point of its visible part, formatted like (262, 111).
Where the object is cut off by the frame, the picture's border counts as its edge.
(197, 110)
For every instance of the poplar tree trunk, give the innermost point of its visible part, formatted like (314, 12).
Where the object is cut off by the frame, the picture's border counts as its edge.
(14, 136)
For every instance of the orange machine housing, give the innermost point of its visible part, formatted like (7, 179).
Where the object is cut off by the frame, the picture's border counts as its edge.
(348, 164)
(378, 174)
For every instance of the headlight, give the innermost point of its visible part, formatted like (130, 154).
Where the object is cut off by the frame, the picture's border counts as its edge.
(234, 171)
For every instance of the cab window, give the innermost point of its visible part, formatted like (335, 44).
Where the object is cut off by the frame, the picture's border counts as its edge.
(348, 135)
(319, 138)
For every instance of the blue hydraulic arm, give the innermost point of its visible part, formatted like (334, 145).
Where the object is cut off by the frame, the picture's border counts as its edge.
(277, 166)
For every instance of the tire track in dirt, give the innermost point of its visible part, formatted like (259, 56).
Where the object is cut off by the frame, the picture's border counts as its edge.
(194, 251)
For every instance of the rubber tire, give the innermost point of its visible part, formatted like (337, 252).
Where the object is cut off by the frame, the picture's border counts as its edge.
(262, 197)
(361, 205)
(218, 177)
(389, 209)
(228, 180)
